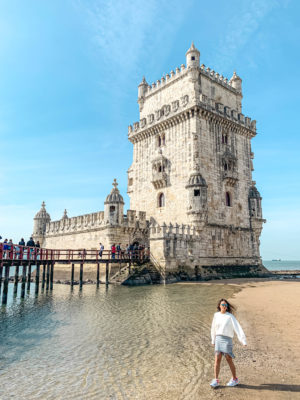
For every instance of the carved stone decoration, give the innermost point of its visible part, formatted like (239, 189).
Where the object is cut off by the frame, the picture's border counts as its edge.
(150, 118)
(167, 109)
(157, 115)
(184, 100)
(143, 122)
(175, 105)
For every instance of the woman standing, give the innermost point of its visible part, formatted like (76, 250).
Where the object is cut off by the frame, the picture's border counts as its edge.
(223, 326)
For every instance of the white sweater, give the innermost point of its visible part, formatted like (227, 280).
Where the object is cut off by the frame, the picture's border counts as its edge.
(226, 324)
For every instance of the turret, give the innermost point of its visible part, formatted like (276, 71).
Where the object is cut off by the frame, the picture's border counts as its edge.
(41, 219)
(254, 202)
(197, 203)
(236, 82)
(113, 206)
(142, 89)
(192, 57)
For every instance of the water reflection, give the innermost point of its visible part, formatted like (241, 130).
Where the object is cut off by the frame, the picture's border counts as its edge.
(148, 342)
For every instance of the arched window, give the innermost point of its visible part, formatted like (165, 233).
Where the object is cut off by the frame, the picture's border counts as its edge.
(228, 199)
(161, 200)
(112, 209)
(159, 141)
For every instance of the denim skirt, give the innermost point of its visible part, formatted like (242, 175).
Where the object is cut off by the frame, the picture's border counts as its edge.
(223, 344)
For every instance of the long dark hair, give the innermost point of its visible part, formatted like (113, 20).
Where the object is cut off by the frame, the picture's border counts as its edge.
(230, 308)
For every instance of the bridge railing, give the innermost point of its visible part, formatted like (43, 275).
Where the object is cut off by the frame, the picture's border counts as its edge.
(15, 252)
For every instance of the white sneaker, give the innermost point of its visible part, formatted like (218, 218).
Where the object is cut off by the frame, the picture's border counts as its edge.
(233, 382)
(214, 383)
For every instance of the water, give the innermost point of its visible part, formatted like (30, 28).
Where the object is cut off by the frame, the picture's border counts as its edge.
(281, 265)
(149, 342)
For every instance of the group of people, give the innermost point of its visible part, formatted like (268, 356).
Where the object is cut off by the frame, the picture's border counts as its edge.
(130, 250)
(8, 246)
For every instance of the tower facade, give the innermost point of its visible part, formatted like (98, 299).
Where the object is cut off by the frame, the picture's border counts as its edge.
(192, 162)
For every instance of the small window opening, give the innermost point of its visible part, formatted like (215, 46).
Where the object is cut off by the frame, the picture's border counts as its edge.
(163, 140)
(225, 167)
(193, 58)
(161, 200)
(228, 199)
(159, 168)
(159, 141)
(130, 182)
(112, 208)
(197, 192)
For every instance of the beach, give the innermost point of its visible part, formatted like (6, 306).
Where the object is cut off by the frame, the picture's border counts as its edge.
(269, 367)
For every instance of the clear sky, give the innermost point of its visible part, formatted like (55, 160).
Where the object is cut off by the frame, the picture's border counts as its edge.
(69, 71)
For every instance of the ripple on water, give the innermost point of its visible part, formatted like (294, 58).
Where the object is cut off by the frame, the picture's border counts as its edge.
(122, 343)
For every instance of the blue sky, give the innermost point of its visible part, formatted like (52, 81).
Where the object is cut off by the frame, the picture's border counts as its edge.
(69, 72)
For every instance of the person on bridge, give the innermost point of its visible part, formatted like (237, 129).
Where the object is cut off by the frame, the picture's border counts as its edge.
(22, 242)
(101, 250)
(113, 251)
(30, 244)
(119, 250)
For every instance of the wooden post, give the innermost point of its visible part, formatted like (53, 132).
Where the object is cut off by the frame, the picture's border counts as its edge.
(16, 279)
(37, 278)
(48, 275)
(129, 267)
(81, 275)
(29, 277)
(51, 275)
(106, 273)
(44, 276)
(98, 274)
(5, 286)
(23, 281)
(72, 275)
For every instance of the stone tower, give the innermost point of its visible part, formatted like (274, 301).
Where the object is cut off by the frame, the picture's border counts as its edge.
(39, 223)
(192, 161)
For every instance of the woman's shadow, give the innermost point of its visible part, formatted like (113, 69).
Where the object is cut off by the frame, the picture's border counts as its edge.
(271, 386)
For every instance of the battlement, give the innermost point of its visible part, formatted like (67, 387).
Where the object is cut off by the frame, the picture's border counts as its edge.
(93, 221)
(164, 231)
(182, 71)
(177, 106)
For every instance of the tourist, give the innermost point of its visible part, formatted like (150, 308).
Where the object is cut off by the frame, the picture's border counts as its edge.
(5, 248)
(101, 250)
(223, 326)
(30, 244)
(113, 251)
(119, 250)
(22, 242)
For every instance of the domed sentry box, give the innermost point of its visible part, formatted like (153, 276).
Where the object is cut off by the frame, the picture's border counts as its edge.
(113, 206)
(197, 203)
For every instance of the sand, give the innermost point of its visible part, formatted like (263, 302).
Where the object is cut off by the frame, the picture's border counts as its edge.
(269, 367)
(269, 312)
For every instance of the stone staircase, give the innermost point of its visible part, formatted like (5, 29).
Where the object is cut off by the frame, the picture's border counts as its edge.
(146, 273)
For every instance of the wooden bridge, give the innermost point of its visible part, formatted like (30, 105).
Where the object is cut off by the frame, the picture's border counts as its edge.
(12, 255)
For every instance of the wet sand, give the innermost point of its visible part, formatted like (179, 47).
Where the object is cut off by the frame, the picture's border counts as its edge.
(269, 367)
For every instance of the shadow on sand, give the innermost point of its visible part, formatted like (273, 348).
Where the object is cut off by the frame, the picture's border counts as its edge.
(278, 387)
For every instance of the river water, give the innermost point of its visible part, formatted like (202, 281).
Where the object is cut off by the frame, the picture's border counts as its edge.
(147, 342)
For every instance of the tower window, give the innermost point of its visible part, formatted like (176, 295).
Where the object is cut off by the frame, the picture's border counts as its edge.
(159, 141)
(193, 58)
(130, 181)
(112, 209)
(224, 139)
(161, 200)
(197, 192)
(163, 140)
(228, 199)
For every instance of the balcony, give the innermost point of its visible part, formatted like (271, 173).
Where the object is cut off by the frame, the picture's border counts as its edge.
(230, 177)
(159, 179)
